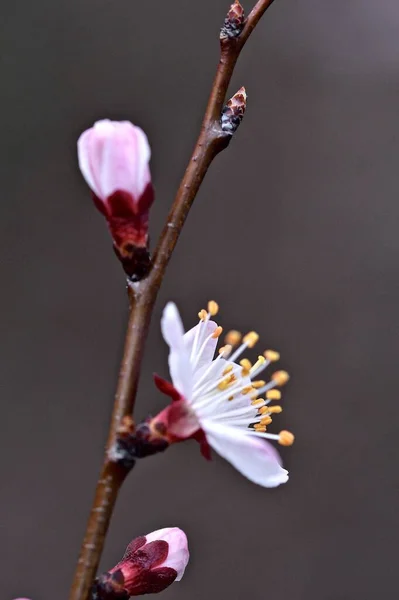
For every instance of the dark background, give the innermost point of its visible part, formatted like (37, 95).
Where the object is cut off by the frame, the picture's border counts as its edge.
(294, 232)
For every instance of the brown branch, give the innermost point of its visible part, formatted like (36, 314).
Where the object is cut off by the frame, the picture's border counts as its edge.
(211, 141)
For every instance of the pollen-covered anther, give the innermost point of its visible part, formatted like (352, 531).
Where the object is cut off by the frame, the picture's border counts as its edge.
(258, 384)
(273, 395)
(261, 361)
(217, 333)
(228, 369)
(274, 409)
(250, 339)
(258, 402)
(271, 355)
(224, 384)
(286, 438)
(202, 315)
(280, 377)
(247, 389)
(266, 420)
(233, 337)
(260, 428)
(225, 350)
(213, 308)
(246, 366)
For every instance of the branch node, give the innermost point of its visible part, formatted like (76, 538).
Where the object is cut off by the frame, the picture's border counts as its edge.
(233, 112)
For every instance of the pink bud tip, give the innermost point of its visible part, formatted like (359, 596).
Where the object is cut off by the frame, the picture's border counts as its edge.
(114, 156)
(150, 564)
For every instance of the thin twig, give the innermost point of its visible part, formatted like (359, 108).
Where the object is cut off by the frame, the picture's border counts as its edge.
(211, 141)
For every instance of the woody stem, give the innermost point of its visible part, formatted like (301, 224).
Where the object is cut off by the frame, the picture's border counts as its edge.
(142, 295)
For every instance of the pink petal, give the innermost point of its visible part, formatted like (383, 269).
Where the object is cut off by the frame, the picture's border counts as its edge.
(178, 554)
(253, 457)
(114, 156)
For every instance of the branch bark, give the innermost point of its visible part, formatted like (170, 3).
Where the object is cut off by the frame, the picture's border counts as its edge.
(142, 295)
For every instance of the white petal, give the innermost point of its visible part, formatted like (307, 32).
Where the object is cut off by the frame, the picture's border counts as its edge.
(179, 360)
(253, 457)
(207, 350)
(178, 555)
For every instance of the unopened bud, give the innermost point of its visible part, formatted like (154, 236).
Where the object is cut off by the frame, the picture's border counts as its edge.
(150, 564)
(114, 160)
(233, 111)
(234, 22)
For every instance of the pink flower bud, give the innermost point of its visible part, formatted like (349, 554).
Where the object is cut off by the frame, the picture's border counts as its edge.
(150, 564)
(114, 160)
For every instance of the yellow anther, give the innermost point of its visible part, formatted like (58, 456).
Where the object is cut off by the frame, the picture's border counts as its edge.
(275, 409)
(280, 377)
(264, 410)
(224, 384)
(225, 350)
(246, 366)
(258, 402)
(247, 389)
(233, 337)
(258, 384)
(271, 355)
(260, 428)
(213, 308)
(228, 369)
(217, 332)
(230, 398)
(202, 315)
(286, 438)
(250, 339)
(266, 420)
(273, 395)
(261, 361)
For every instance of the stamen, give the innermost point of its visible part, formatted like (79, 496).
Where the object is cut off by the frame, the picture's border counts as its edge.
(213, 308)
(217, 332)
(202, 315)
(224, 351)
(224, 384)
(247, 389)
(274, 409)
(271, 355)
(261, 361)
(228, 369)
(286, 438)
(264, 409)
(260, 428)
(258, 384)
(280, 377)
(246, 367)
(273, 395)
(266, 420)
(250, 339)
(258, 402)
(233, 337)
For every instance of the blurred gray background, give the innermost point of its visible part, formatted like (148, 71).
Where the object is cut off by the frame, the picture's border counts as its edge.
(294, 232)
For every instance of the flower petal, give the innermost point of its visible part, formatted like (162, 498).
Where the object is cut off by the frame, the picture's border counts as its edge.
(253, 457)
(200, 335)
(179, 361)
(178, 554)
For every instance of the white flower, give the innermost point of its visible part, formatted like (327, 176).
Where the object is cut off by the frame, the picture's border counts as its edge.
(218, 400)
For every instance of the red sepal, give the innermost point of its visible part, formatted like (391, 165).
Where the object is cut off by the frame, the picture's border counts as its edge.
(205, 448)
(166, 388)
